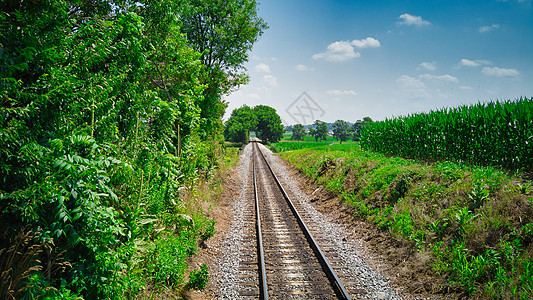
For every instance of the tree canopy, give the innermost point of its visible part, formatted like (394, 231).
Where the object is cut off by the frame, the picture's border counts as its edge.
(358, 126)
(341, 130)
(269, 127)
(262, 119)
(298, 132)
(237, 128)
(320, 131)
(223, 32)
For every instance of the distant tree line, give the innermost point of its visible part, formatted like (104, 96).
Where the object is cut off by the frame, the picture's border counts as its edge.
(342, 130)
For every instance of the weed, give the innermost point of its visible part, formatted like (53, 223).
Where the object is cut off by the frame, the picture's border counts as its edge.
(403, 224)
(526, 278)
(478, 195)
(400, 188)
(463, 217)
(18, 263)
(198, 278)
(438, 226)
(166, 261)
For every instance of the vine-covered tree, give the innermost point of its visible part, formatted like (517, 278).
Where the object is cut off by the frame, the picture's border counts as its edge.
(341, 130)
(298, 132)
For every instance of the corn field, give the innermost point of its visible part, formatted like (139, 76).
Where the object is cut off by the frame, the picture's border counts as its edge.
(491, 133)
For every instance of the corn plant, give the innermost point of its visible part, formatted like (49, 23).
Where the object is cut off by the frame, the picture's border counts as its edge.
(491, 133)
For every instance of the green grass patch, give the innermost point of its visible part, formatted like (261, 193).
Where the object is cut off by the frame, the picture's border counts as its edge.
(327, 145)
(309, 138)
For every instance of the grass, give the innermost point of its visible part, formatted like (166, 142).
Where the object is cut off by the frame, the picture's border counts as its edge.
(286, 144)
(308, 138)
(476, 223)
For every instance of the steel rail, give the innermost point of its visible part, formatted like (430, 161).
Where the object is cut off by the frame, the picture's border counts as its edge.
(326, 266)
(263, 290)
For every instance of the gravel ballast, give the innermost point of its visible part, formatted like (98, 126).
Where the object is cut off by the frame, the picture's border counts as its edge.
(351, 252)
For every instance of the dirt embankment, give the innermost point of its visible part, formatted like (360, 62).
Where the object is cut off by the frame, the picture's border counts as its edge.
(209, 252)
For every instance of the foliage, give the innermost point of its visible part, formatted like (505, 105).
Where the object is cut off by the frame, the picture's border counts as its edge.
(475, 222)
(101, 133)
(298, 132)
(269, 127)
(262, 119)
(166, 260)
(488, 134)
(223, 32)
(237, 128)
(341, 130)
(198, 278)
(357, 127)
(320, 131)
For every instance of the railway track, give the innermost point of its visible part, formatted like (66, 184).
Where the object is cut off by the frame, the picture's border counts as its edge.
(281, 258)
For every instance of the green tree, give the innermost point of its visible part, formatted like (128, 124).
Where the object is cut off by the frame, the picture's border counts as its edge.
(298, 132)
(223, 31)
(320, 132)
(357, 127)
(312, 132)
(341, 130)
(237, 128)
(269, 127)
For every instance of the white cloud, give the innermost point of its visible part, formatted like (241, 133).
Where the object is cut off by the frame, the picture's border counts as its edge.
(369, 42)
(408, 19)
(500, 72)
(270, 80)
(445, 77)
(431, 66)
(414, 88)
(262, 68)
(473, 63)
(341, 93)
(484, 29)
(408, 82)
(338, 52)
(301, 67)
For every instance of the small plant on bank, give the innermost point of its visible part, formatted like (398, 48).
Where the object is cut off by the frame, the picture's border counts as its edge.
(198, 278)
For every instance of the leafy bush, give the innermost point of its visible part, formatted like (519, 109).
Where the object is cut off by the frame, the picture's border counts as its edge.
(198, 278)
(166, 261)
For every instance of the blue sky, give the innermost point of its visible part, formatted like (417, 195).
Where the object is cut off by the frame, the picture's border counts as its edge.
(387, 58)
